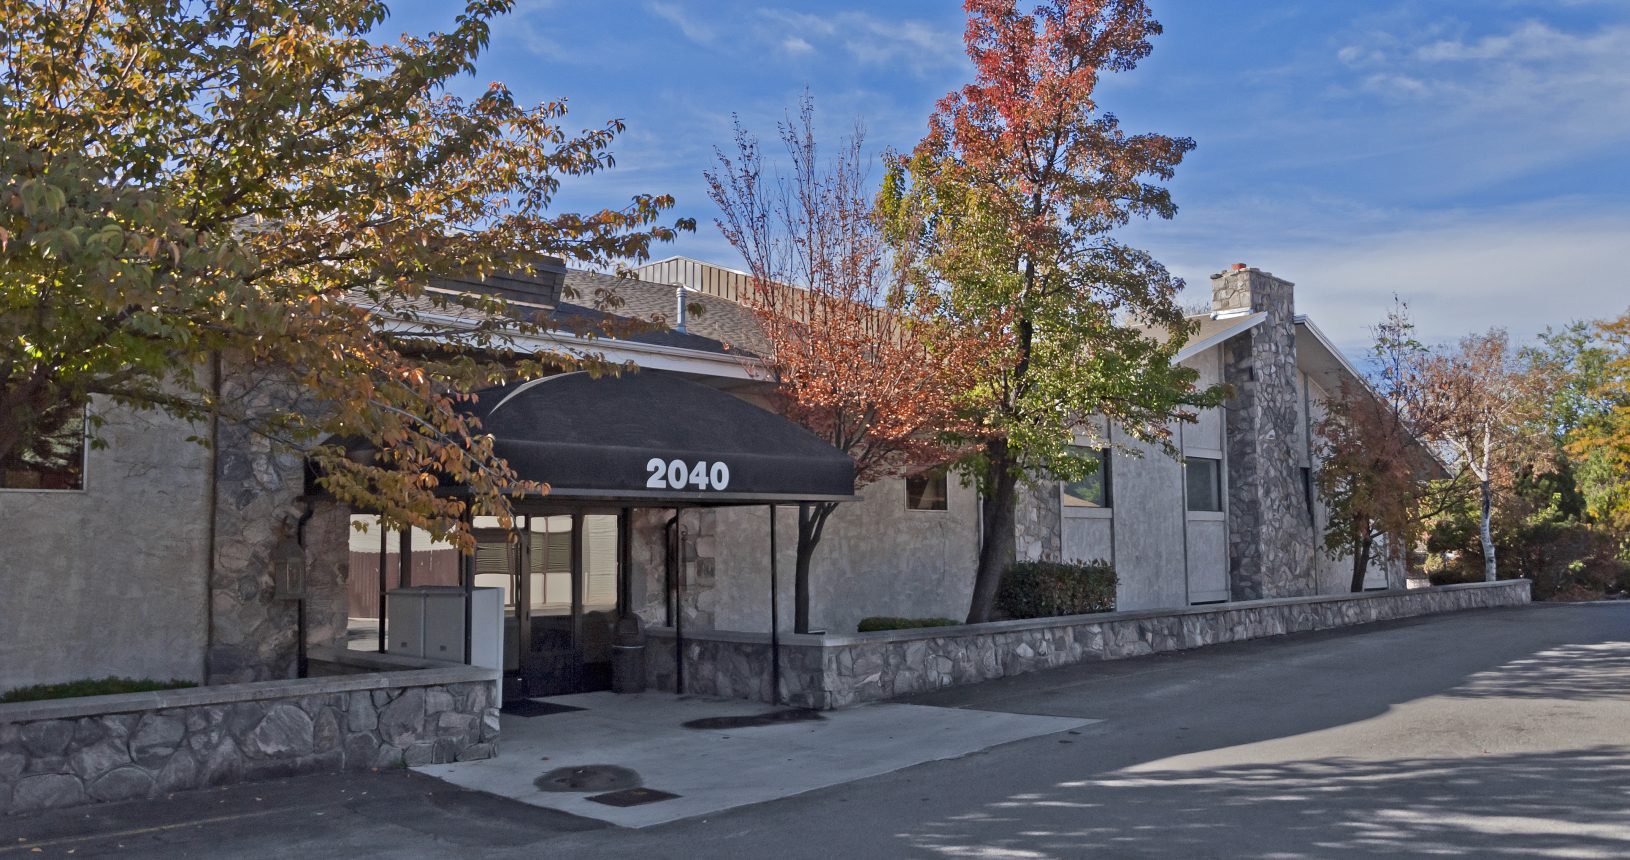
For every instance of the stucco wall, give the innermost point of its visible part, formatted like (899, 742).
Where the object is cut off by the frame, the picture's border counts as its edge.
(110, 580)
(876, 558)
(1149, 559)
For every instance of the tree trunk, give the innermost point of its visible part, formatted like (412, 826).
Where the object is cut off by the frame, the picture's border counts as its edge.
(1364, 546)
(811, 524)
(1486, 532)
(996, 549)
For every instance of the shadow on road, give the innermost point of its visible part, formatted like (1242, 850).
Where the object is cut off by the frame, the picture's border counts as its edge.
(1568, 804)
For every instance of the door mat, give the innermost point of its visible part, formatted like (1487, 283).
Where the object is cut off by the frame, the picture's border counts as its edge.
(535, 708)
(632, 797)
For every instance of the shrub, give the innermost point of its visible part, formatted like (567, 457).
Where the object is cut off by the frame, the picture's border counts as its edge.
(90, 687)
(882, 622)
(1044, 589)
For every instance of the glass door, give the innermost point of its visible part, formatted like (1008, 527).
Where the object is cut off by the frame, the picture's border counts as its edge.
(599, 576)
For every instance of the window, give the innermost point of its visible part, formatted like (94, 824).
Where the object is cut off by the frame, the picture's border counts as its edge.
(926, 491)
(1204, 477)
(1307, 490)
(56, 458)
(1093, 491)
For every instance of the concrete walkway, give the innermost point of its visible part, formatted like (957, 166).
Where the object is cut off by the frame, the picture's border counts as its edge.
(712, 770)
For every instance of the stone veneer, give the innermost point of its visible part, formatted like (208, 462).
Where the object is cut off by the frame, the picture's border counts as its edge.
(107, 748)
(1271, 544)
(837, 671)
(1038, 521)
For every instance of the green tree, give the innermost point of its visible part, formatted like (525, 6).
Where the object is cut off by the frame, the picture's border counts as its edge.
(1593, 410)
(267, 186)
(1005, 212)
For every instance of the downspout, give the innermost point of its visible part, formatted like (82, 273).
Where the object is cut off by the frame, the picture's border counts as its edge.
(676, 595)
(775, 620)
(301, 664)
(213, 506)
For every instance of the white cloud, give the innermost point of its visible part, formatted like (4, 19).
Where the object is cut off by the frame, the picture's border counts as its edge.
(796, 45)
(918, 46)
(688, 26)
(1520, 268)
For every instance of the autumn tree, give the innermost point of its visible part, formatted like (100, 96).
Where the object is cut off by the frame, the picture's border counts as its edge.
(1006, 209)
(267, 188)
(851, 355)
(1482, 404)
(1595, 413)
(1379, 482)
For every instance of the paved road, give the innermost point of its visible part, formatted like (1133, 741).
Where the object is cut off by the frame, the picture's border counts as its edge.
(1498, 733)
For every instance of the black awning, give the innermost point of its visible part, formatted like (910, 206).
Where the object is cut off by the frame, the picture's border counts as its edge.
(655, 437)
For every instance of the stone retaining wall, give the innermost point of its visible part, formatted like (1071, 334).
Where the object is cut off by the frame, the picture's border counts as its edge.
(837, 671)
(107, 748)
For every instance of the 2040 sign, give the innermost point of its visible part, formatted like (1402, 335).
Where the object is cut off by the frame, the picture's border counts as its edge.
(679, 475)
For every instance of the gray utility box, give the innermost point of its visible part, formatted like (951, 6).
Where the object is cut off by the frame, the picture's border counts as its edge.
(428, 621)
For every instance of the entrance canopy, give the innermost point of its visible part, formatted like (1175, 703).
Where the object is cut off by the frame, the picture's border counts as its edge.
(657, 439)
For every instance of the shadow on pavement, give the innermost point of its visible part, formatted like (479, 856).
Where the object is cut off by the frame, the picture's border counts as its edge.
(1565, 804)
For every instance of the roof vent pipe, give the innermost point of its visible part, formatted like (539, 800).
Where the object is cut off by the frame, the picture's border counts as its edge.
(679, 315)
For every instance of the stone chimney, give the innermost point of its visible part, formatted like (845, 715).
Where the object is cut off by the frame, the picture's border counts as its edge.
(1271, 544)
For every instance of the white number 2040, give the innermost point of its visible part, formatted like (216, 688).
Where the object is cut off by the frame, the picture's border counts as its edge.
(676, 475)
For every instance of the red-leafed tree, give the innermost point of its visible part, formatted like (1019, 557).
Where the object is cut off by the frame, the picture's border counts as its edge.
(1378, 479)
(1006, 209)
(853, 356)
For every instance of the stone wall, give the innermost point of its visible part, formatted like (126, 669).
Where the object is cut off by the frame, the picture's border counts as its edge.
(109, 748)
(1270, 537)
(839, 671)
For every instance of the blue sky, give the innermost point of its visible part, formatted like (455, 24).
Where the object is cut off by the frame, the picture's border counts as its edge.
(1470, 156)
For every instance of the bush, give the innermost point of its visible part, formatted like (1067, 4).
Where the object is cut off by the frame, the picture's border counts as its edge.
(90, 687)
(883, 622)
(1045, 589)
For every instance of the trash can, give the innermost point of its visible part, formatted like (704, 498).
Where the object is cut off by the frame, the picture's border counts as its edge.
(628, 656)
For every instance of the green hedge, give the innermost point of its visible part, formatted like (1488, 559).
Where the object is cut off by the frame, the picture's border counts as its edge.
(90, 687)
(1045, 589)
(868, 625)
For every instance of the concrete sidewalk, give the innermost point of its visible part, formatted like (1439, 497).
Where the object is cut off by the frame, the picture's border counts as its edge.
(712, 770)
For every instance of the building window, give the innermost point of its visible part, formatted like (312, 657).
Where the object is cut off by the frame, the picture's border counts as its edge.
(1204, 476)
(1095, 490)
(55, 460)
(926, 491)
(1307, 490)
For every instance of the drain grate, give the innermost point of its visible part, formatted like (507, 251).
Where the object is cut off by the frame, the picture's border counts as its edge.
(633, 797)
(768, 718)
(535, 708)
(589, 777)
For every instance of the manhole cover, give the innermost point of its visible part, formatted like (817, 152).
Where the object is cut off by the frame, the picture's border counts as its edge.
(789, 715)
(589, 777)
(632, 797)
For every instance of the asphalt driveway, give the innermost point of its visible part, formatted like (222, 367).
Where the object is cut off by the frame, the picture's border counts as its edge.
(1497, 733)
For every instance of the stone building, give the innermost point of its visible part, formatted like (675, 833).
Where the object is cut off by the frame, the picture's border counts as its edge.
(158, 562)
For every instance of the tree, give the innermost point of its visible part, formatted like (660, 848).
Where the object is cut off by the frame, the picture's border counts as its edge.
(853, 357)
(1005, 209)
(1482, 403)
(1596, 432)
(1376, 478)
(266, 188)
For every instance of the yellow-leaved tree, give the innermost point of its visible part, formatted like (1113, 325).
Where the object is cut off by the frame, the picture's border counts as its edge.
(268, 186)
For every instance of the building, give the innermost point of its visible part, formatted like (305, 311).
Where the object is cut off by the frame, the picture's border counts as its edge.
(174, 546)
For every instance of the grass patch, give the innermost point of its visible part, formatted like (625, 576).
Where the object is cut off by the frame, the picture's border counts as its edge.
(90, 687)
(873, 624)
